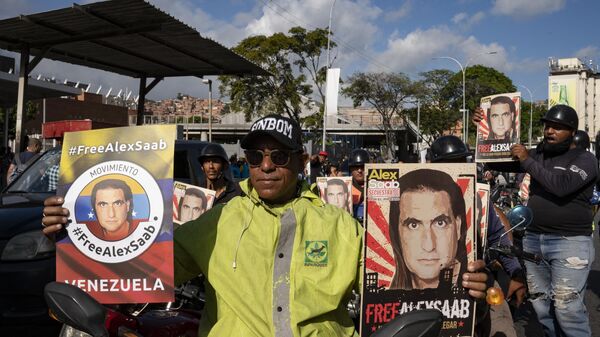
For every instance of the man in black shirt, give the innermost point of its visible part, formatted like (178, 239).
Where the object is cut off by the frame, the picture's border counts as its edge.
(215, 166)
(562, 180)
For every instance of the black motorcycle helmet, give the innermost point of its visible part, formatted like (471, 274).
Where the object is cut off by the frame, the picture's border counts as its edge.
(359, 157)
(563, 115)
(581, 140)
(448, 147)
(214, 150)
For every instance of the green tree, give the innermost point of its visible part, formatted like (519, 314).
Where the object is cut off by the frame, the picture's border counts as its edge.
(537, 128)
(387, 93)
(480, 81)
(294, 62)
(434, 94)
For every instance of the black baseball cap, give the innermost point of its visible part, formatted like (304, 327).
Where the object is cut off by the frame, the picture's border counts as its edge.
(284, 130)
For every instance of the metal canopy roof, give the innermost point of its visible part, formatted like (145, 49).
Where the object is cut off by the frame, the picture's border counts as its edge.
(36, 89)
(128, 37)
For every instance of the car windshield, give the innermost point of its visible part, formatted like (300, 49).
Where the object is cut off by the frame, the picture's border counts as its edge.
(41, 176)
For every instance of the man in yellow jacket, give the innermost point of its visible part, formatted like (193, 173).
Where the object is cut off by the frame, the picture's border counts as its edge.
(279, 261)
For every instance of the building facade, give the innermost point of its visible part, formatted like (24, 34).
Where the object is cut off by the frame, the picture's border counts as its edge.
(576, 83)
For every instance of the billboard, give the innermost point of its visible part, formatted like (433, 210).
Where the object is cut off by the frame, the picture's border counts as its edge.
(562, 89)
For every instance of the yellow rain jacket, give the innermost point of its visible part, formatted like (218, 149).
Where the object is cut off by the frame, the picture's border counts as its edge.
(284, 270)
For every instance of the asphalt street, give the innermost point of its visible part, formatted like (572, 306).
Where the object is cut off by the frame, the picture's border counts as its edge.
(526, 323)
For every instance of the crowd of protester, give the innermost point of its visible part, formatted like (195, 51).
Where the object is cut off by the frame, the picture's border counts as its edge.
(255, 229)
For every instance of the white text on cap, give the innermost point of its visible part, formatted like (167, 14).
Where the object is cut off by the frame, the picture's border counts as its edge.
(280, 125)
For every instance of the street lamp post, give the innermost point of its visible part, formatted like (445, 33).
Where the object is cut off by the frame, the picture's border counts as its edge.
(530, 113)
(327, 65)
(463, 90)
(418, 128)
(465, 115)
(209, 82)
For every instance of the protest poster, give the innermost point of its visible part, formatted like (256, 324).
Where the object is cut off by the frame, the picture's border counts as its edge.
(336, 191)
(500, 128)
(482, 214)
(117, 185)
(190, 201)
(420, 236)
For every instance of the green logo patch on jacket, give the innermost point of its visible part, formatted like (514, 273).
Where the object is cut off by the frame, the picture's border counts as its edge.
(316, 253)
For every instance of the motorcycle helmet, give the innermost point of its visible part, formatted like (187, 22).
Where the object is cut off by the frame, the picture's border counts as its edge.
(359, 157)
(581, 140)
(563, 115)
(448, 147)
(214, 150)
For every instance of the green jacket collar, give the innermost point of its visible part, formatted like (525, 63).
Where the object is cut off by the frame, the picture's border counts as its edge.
(304, 192)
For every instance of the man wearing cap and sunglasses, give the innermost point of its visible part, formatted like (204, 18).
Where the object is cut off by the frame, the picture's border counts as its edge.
(278, 260)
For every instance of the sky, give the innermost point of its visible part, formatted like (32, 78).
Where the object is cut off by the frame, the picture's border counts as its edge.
(376, 36)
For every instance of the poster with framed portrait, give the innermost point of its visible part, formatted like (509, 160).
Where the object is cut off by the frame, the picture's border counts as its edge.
(420, 236)
(117, 185)
(190, 202)
(336, 191)
(500, 128)
(482, 203)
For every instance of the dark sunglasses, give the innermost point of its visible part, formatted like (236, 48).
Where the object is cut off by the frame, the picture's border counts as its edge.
(278, 157)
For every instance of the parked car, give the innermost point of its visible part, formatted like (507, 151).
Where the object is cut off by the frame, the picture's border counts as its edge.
(27, 257)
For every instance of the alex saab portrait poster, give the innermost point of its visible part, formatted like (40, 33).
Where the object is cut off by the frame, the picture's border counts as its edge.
(500, 128)
(190, 202)
(482, 203)
(420, 236)
(336, 191)
(118, 184)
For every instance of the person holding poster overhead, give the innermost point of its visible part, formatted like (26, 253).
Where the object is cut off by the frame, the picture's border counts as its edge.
(278, 261)
(562, 181)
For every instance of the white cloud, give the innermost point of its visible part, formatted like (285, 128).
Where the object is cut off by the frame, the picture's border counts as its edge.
(417, 49)
(588, 52)
(465, 21)
(526, 8)
(353, 23)
(225, 32)
(476, 18)
(398, 13)
(460, 17)
(479, 53)
(530, 65)
(405, 53)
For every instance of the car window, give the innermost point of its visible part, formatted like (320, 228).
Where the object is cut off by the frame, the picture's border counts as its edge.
(41, 176)
(181, 170)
